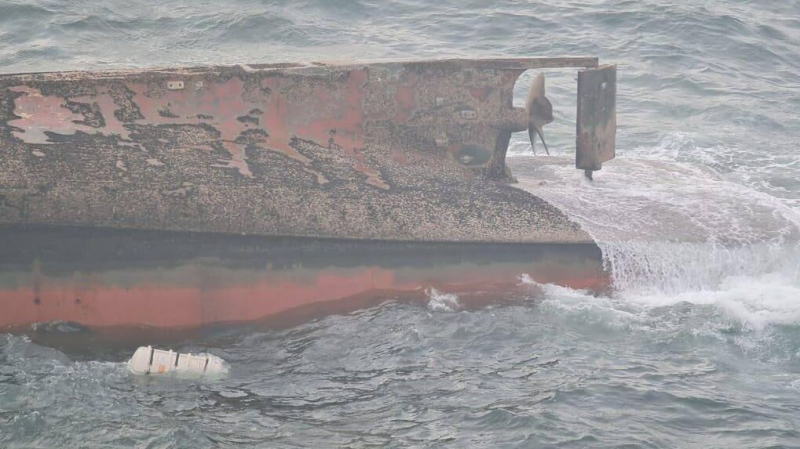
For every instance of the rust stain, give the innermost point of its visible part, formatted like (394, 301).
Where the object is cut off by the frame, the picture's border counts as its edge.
(190, 107)
(399, 157)
(373, 176)
(404, 97)
(39, 114)
(107, 108)
(481, 93)
(321, 115)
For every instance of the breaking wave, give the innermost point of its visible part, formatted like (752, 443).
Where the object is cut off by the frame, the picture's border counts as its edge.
(442, 302)
(675, 232)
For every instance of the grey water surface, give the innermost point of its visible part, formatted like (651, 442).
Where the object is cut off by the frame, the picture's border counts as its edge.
(698, 218)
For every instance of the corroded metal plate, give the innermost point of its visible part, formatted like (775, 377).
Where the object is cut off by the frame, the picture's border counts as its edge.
(380, 151)
(597, 117)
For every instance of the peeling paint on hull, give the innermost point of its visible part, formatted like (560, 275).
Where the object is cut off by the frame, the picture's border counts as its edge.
(405, 151)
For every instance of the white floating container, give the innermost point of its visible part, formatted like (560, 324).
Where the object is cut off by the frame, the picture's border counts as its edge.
(157, 362)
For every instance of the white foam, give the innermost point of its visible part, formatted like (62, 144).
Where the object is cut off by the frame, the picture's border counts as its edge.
(677, 232)
(653, 200)
(753, 302)
(442, 302)
(667, 224)
(747, 302)
(610, 311)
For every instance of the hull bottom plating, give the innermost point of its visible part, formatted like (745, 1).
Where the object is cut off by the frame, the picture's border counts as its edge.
(105, 279)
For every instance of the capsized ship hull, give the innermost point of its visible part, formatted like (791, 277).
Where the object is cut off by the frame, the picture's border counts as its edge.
(403, 153)
(411, 151)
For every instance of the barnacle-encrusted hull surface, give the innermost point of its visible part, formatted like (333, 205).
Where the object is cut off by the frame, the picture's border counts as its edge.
(402, 151)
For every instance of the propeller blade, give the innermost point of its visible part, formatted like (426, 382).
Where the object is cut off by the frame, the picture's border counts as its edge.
(540, 111)
(540, 131)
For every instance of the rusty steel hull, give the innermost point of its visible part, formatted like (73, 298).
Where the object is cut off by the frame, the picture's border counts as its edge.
(107, 279)
(182, 198)
(403, 151)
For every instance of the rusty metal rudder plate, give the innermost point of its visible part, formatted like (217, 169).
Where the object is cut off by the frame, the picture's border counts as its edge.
(597, 117)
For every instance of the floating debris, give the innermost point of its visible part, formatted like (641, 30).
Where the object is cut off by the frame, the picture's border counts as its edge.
(150, 361)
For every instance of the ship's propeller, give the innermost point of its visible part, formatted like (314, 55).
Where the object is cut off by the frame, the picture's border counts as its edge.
(540, 111)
